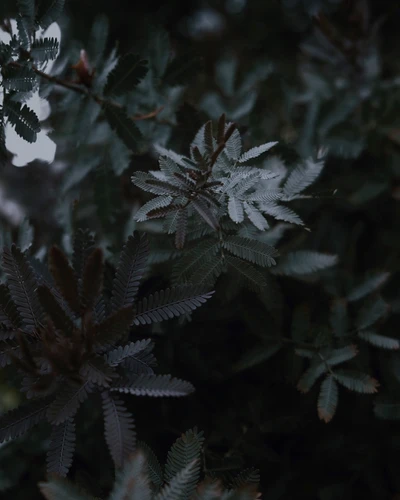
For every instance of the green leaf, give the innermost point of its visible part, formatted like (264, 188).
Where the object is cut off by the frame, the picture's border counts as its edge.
(132, 482)
(253, 276)
(311, 375)
(379, 340)
(155, 386)
(48, 12)
(181, 483)
(44, 50)
(235, 209)
(130, 70)
(119, 428)
(356, 381)
(304, 262)
(206, 213)
(256, 152)
(183, 452)
(62, 447)
(124, 127)
(254, 251)
(328, 399)
(22, 284)
(154, 469)
(302, 177)
(130, 269)
(19, 79)
(341, 355)
(371, 312)
(25, 121)
(368, 286)
(24, 32)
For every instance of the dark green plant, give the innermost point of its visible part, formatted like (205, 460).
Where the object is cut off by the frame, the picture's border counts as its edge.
(143, 477)
(69, 340)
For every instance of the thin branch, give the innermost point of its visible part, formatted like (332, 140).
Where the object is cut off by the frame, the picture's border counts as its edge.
(85, 91)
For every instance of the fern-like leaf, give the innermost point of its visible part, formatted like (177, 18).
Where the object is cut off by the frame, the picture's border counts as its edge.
(182, 482)
(121, 353)
(328, 399)
(356, 381)
(154, 469)
(304, 262)
(68, 401)
(156, 203)
(185, 267)
(181, 226)
(19, 79)
(256, 152)
(155, 386)
(130, 70)
(170, 303)
(130, 269)
(301, 177)
(235, 210)
(44, 50)
(22, 285)
(25, 121)
(379, 340)
(186, 450)
(132, 482)
(254, 251)
(62, 445)
(17, 422)
(256, 217)
(124, 127)
(368, 286)
(119, 428)
(54, 311)
(113, 328)
(206, 213)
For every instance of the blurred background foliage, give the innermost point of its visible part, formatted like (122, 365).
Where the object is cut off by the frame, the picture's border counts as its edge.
(310, 74)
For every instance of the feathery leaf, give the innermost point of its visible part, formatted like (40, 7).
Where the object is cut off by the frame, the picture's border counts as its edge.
(328, 399)
(119, 428)
(356, 381)
(155, 386)
(254, 251)
(129, 71)
(130, 269)
(62, 445)
(25, 121)
(170, 303)
(123, 126)
(22, 285)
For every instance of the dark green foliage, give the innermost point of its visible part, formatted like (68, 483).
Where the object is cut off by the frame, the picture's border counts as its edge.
(262, 139)
(142, 477)
(124, 126)
(66, 354)
(25, 121)
(130, 70)
(44, 50)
